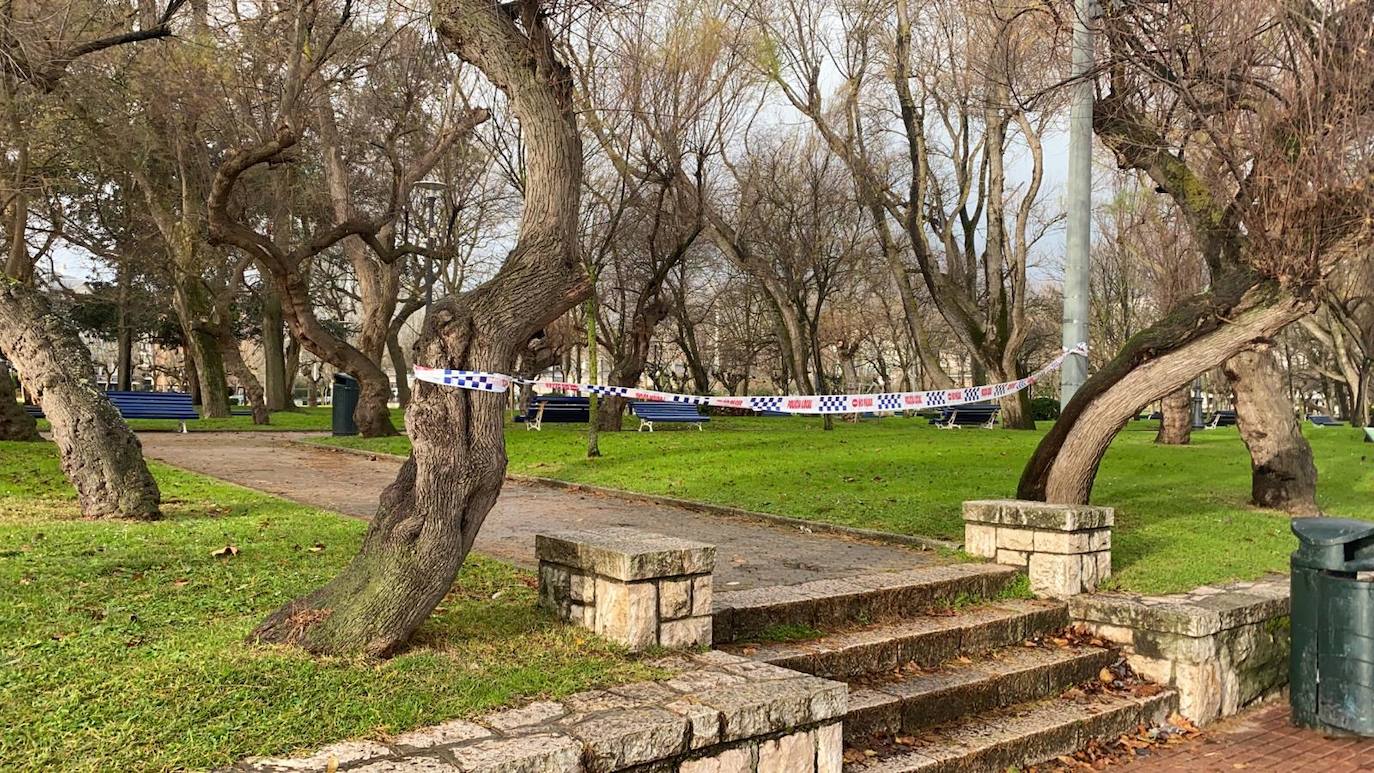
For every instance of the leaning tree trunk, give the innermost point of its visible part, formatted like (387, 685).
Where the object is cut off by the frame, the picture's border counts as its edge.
(1283, 475)
(1176, 419)
(1199, 334)
(252, 388)
(99, 454)
(15, 422)
(428, 518)
(194, 308)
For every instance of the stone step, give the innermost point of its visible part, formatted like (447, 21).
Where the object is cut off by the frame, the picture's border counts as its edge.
(927, 640)
(908, 703)
(1022, 735)
(828, 604)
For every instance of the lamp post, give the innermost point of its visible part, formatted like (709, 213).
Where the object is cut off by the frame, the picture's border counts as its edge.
(1078, 239)
(432, 188)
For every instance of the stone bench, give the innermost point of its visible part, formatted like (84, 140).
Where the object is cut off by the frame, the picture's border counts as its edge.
(1066, 549)
(636, 588)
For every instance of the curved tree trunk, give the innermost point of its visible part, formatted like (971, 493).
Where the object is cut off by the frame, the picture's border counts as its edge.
(374, 388)
(1199, 334)
(428, 518)
(15, 422)
(1283, 475)
(1176, 422)
(252, 388)
(99, 454)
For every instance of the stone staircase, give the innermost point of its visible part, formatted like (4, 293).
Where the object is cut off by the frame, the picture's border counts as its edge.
(946, 671)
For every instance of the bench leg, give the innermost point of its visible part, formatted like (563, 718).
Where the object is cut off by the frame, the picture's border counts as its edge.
(699, 427)
(183, 428)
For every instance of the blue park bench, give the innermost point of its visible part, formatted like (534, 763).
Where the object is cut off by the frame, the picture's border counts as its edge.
(558, 409)
(969, 415)
(145, 405)
(1324, 421)
(675, 413)
(1222, 419)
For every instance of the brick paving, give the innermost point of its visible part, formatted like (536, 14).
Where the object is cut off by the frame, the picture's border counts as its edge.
(1262, 740)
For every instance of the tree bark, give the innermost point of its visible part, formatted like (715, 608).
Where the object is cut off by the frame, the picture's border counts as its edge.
(1176, 422)
(428, 518)
(1199, 334)
(15, 422)
(398, 364)
(1283, 475)
(194, 308)
(277, 386)
(99, 454)
(252, 388)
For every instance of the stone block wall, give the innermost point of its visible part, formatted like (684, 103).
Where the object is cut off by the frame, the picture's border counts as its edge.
(720, 713)
(1222, 648)
(1065, 549)
(636, 588)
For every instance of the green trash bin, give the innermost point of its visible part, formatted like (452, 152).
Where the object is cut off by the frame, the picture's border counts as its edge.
(1331, 663)
(345, 400)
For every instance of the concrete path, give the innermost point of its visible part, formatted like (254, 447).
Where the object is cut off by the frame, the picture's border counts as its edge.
(750, 554)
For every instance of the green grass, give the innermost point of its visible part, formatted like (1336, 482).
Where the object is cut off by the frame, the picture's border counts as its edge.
(122, 644)
(1182, 518)
(303, 420)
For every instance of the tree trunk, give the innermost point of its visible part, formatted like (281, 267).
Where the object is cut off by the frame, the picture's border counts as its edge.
(593, 412)
(1016, 411)
(428, 518)
(1283, 475)
(1197, 335)
(99, 454)
(252, 388)
(398, 364)
(194, 309)
(374, 388)
(15, 422)
(1176, 422)
(277, 385)
(124, 334)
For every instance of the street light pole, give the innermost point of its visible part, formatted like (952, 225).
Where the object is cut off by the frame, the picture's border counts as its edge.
(432, 189)
(1079, 236)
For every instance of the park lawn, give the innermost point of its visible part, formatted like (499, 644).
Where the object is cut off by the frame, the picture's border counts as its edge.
(122, 644)
(1181, 513)
(301, 420)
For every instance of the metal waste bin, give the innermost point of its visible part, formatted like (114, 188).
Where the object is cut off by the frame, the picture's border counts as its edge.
(345, 400)
(1331, 664)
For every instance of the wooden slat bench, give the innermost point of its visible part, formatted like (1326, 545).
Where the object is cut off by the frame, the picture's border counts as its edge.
(649, 413)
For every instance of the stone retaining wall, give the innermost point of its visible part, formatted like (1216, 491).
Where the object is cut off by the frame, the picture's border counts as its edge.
(1222, 648)
(720, 714)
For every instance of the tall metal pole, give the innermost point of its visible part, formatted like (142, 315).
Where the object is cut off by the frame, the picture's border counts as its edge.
(1080, 184)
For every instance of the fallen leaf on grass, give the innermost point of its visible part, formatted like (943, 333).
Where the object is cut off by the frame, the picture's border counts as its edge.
(318, 547)
(228, 551)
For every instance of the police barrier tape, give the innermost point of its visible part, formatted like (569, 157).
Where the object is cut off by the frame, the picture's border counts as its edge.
(813, 404)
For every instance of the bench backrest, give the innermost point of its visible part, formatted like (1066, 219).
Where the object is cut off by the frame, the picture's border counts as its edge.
(144, 405)
(663, 410)
(1224, 418)
(567, 409)
(154, 405)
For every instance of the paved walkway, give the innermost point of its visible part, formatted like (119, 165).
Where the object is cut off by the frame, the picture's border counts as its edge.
(749, 554)
(1261, 740)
